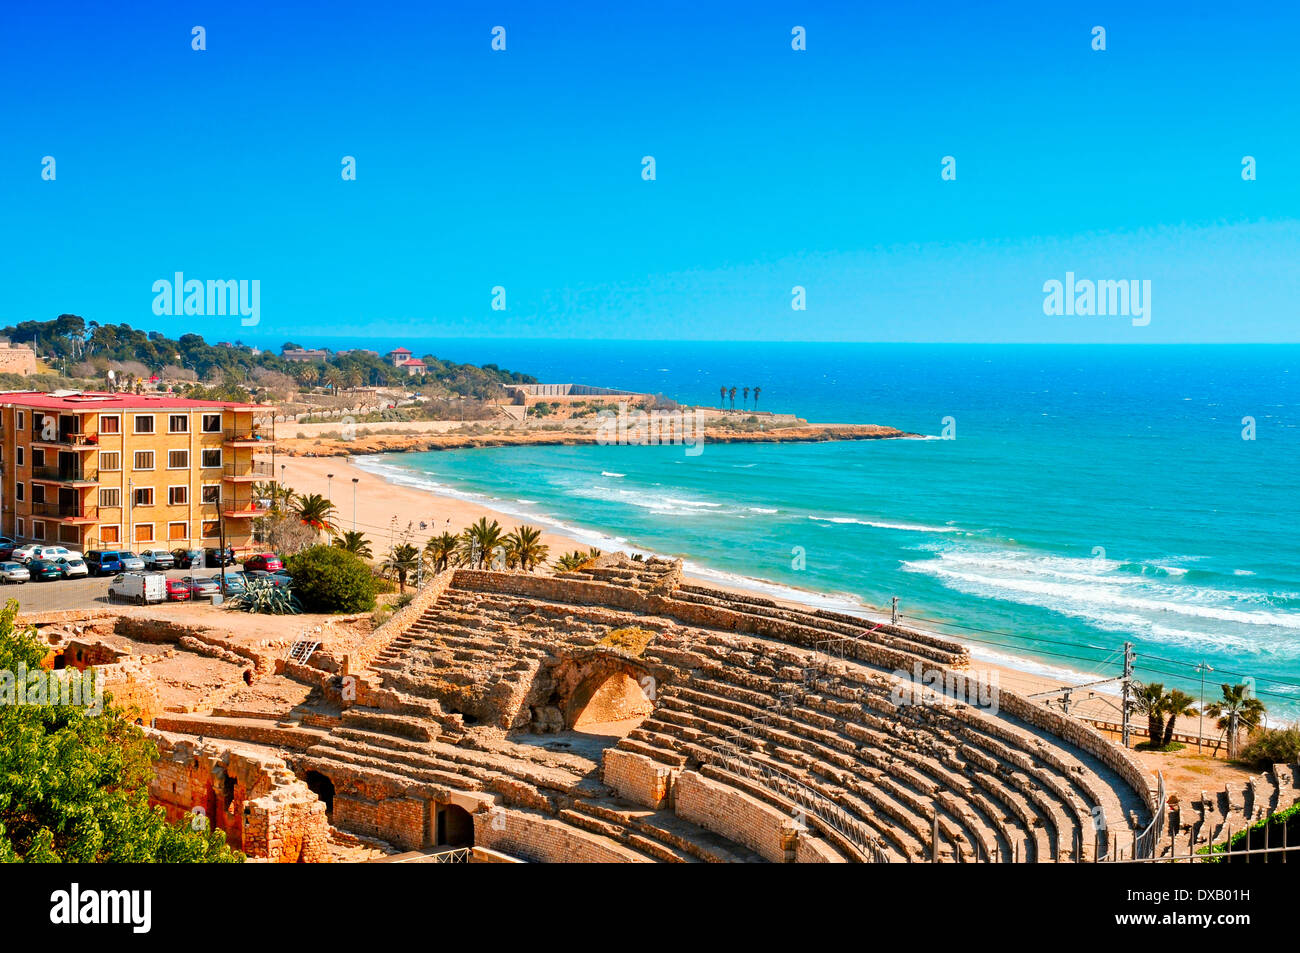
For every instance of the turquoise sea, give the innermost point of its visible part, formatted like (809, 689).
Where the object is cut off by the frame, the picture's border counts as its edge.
(1091, 495)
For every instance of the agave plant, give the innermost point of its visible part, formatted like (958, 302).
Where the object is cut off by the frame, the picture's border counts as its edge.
(265, 597)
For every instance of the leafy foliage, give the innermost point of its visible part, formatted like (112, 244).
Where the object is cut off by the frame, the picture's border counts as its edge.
(265, 597)
(332, 579)
(1269, 746)
(75, 786)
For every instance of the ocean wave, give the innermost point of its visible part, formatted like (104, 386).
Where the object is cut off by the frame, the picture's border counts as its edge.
(609, 473)
(883, 524)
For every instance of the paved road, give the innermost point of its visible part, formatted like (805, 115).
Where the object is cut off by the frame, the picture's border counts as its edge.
(87, 593)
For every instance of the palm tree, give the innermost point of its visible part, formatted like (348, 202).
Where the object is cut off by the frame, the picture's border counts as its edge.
(733, 398)
(402, 560)
(480, 542)
(525, 546)
(1177, 704)
(305, 374)
(440, 551)
(745, 400)
(722, 398)
(333, 378)
(316, 511)
(1236, 710)
(355, 376)
(354, 543)
(1150, 701)
(756, 391)
(282, 497)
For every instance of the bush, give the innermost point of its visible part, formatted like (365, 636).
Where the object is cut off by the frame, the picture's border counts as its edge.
(330, 579)
(1270, 746)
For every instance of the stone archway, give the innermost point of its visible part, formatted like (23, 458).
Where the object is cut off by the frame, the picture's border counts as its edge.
(323, 788)
(604, 688)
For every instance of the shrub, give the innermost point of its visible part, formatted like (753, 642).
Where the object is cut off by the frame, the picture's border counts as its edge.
(1270, 746)
(264, 596)
(330, 579)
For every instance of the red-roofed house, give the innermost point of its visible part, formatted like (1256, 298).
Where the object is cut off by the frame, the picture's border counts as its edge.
(396, 357)
(106, 470)
(413, 367)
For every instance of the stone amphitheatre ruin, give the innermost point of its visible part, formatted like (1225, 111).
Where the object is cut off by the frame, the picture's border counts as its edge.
(616, 713)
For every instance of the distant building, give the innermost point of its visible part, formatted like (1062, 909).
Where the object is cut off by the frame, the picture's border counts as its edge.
(303, 354)
(414, 367)
(100, 470)
(17, 359)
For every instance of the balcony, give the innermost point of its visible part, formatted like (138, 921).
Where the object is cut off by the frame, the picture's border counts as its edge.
(65, 512)
(65, 474)
(246, 511)
(66, 440)
(247, 438)
(250, 472)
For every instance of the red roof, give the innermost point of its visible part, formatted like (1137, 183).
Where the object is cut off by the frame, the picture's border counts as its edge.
(91, 401)
(414, 362)
(399, 350)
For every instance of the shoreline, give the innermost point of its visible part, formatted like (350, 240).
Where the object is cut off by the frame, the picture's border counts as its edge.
(389, 508)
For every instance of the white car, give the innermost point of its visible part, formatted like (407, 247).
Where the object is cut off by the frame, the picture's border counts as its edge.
(157, 559)
(73, 566)
(25, 554)
(138, 587)
(16, 573)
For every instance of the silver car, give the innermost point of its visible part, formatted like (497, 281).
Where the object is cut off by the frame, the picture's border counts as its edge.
(201, 587)
(14, 573)
(130, 561)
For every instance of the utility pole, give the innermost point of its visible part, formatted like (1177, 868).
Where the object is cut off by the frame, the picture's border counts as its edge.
(893, 612)
(1128, 688)
(221, 535)
(1202, 667)
(355, 481)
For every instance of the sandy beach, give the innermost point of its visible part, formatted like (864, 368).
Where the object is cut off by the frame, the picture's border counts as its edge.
(386, 511)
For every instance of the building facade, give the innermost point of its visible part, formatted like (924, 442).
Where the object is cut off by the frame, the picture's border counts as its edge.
(106, 471)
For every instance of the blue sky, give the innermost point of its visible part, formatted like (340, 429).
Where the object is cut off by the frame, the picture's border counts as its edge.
(775, 168)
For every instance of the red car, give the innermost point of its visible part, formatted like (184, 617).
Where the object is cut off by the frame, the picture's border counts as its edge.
(178, 590)
(267, 562)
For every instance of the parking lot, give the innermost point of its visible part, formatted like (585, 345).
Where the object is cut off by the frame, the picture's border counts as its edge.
(86, 593)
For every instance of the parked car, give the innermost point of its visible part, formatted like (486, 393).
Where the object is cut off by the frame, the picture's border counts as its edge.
(267, 562)
(157, 559)
(235, 581)
(7, 547)
(187, 558)
(15, 573)
(278, 579)
(104, 562)
(138, 587)
(45, 570)
(73, 566)
(214, 558)
(32, 551)
(177, 590)
(201, 587)
(131, 562)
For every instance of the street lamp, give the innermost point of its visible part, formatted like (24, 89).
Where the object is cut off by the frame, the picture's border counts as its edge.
(1202, 667)
(355, 480)
(329, 487)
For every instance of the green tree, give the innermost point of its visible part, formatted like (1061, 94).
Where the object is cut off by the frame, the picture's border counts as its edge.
(1177, 704)
(440, 551)
(1237, 709)
(354, 543)
(402, 560)
(331, 579)
(480, 541)
(1150, 701)
(316, 511)
(525, 549)
(74, 786)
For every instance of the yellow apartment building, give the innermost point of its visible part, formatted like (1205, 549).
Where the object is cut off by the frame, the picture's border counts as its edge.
(107, 471)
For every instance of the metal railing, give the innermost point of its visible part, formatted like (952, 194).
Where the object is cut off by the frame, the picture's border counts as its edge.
(67, 439)
(63, 473)
(231, 436)
(63, 510)
(458, 855)
(257, 468)
(1144, 845)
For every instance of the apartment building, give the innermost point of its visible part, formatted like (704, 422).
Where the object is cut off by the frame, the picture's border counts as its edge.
(100, 470)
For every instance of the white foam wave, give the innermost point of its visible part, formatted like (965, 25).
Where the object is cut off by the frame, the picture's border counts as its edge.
(883, 524)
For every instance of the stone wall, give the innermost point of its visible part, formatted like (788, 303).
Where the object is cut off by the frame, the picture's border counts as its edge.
(531, 836)
(402, 821)
(255, 799)
(397, 625)
(736, 816)
(637, 778)
(17, 359)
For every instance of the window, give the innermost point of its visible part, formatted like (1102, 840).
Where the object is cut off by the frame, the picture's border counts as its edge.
(144, 423)
(178, 531)
(38, 529)
(178, 495)
(144, 532)
(110, 534)
(22, 420)
(110, 423)
(143, 496)
(38, 492)
(212, 423)
(110, 497)
(178, 423)
(211, 493)
(143, 460)
(110, 461)
(21, 527)
(178, 459)
(20, 490)
(211, 459)
(38, 457)
(20, 457)
(210, 529)
(69, 533)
